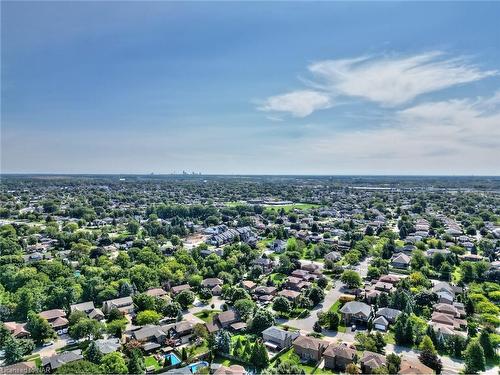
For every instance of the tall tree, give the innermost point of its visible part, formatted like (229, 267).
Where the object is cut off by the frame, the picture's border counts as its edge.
(474, 358)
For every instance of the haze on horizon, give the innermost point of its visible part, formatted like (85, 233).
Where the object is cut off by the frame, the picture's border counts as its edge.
(250, 88)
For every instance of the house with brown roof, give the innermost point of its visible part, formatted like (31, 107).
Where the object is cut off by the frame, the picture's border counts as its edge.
(338, 356)
(289, 294)
(17, 330)
(157, 292)
(248, 285)
(226, 318)
(179, 288)
(231, 370)
(211, 282)
(309, 348)
(414, 367)
(27, 367)
(370, 361)
(56, 318)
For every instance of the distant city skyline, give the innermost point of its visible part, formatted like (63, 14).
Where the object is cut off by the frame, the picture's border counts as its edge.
(328, 88)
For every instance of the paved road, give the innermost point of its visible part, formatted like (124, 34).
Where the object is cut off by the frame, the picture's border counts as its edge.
(47, 351)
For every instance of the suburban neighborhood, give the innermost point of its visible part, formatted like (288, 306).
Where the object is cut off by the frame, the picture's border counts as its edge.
(173, 275)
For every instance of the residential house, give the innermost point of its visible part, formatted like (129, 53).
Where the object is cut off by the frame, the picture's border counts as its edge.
(231, 370)
(124, 305)
(289, 294)
(89, 309)
(179, 288)
(107, 346)
(27, 367)
(413, 367)
(226, 318)
(17, 330)
(333, 256)
(248, 285)
(400, 260)
(338, 356)
(388, 313)
(356, 312)
(51, 364)
(56, 318)
(309, 348)
(158, 293)
(211, 282)
(381, 323)
(277, 338)
(371, 361)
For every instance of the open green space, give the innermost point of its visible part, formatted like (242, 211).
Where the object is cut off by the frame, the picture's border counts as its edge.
(206, 315)
(151, 361)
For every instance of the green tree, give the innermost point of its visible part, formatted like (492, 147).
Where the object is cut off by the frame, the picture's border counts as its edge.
(136, 363)
(351, 279)
(282, 304)
(92, 353)
(262, 319)
(39, 328)
(113, 363)
(475, 360)
(86, 328)
(116, 327)
(393, 363)
(487, 345)
(185, 298)
(259, 356)
(147, 317)
(245, 308)
(79, 367)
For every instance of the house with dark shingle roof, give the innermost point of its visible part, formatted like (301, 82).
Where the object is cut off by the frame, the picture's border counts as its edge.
(356, 312)
(338, 356)
(278, 338)
(50, 364)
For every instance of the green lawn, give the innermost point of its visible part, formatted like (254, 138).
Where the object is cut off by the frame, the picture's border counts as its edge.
(151, 361)
(34, 357)
(278, 278)
(203, 348)
(389, 338)
(290, 356)
(335, 307)
(206, 315)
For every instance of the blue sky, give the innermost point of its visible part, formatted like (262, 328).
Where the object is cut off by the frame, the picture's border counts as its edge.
(271, 88)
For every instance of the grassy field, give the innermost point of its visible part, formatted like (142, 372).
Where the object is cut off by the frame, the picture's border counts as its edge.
(206, 315)
(290, 356)
(151, 361)
(278, 278)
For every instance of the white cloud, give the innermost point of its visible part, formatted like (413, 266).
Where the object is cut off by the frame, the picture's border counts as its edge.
(388, 80)
(449, 137)
(392, 81)
(300, 103)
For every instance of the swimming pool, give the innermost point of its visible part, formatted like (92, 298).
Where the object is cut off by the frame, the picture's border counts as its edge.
(196, 366)
(171, 359)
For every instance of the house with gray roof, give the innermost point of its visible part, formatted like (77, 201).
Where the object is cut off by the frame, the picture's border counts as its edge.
(277, 338)
(50, 364)
(356, 312)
